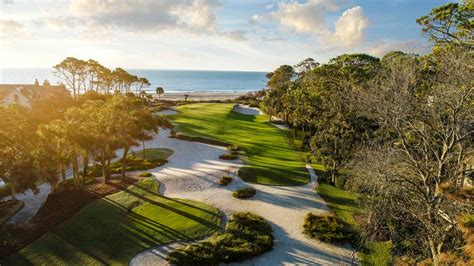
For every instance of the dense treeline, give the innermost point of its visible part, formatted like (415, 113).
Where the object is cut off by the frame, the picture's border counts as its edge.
(398, 130)
(83, 76)
(71, 137)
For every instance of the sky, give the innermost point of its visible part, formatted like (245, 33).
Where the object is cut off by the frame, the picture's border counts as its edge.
(245, 35)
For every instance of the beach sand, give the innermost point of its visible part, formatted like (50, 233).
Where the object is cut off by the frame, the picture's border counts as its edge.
(200, 96)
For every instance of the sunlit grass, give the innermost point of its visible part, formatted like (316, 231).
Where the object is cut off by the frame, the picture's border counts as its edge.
(113, 229)
(271, 158)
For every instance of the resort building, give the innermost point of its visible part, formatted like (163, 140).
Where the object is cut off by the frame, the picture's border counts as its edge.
(25, 94)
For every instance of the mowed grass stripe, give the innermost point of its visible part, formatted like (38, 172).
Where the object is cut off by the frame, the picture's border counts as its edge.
(270, 156)
(112, 230)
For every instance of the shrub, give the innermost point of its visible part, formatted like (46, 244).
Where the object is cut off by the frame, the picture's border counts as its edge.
(225, 180)
(341, 181)
(228, 157)
(246, 173)
(233, 147)
(146, 174)
(244, 193)
(327, 229)
(246, 235)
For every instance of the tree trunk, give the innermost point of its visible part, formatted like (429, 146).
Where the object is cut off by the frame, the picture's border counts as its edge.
(62, 169)
(143, 147)
(434, 252)
(105, 173)
(54, 184)
(333, 172)
(13, 190)
(75, 169)
(124, 163)
(85, 168)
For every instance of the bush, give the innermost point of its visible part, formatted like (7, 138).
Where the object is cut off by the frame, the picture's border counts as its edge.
(233, 147)
(244, 193)
(327, 229)
(246, 173)
(146, 174)
(341, 181)
(246, 235)
(225, 180)
(228, 157)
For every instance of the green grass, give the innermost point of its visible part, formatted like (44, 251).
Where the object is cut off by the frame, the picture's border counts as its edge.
(271, 160)
(113, 229)
(154, 154)
(344, 204)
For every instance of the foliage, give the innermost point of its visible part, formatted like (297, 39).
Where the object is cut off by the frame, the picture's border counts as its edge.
(450, 24)
(157, 220)
(246, 235)
(225, 180)
(244, 193)
(327, 229)
(228, 157)
(146, 174)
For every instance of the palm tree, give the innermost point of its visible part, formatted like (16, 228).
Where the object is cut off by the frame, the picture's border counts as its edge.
(160, 91)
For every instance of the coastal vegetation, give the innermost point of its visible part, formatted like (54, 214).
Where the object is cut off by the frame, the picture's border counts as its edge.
(246, 236)
(397, 131)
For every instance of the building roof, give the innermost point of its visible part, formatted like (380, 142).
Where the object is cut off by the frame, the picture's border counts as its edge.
(33, 91)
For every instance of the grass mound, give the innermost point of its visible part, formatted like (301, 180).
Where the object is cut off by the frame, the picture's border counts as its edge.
(244, 193)
(154, 154)
(246, 235)
(225, 180)
(146, 174)
(270, 156)
(133, 164)
(228, 157)
(113, 229)
(327, 229)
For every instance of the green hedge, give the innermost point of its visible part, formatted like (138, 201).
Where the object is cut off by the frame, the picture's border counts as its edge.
(228, 157)
(329, 229)
(246, 236)
(244, 193)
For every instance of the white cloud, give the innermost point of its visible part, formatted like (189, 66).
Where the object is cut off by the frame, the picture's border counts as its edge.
(146, 15)
(12, 29)
(349, 28)
(310, 18)
(381, 48)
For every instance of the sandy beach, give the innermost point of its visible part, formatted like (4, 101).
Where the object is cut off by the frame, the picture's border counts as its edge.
(201, 96)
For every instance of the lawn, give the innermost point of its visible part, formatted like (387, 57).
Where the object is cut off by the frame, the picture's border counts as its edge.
(113, 229)
(154, 154)
(344, 204)
(271, 159)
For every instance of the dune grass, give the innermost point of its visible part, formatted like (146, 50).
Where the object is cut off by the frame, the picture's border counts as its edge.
(271, 159)
(113, 229)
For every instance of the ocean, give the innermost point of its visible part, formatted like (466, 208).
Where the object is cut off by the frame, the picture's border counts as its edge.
(170, 80)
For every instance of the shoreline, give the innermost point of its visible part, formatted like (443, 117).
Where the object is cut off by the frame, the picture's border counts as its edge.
(200, 96)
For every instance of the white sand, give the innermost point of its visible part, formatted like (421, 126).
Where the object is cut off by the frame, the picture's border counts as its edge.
(193, 172)
(247, 110)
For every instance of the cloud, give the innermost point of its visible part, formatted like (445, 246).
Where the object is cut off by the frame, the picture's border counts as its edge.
(381, 48)
(146, 15)
(7, 2)
(12, 29)
(310, 18)
(350, 26)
